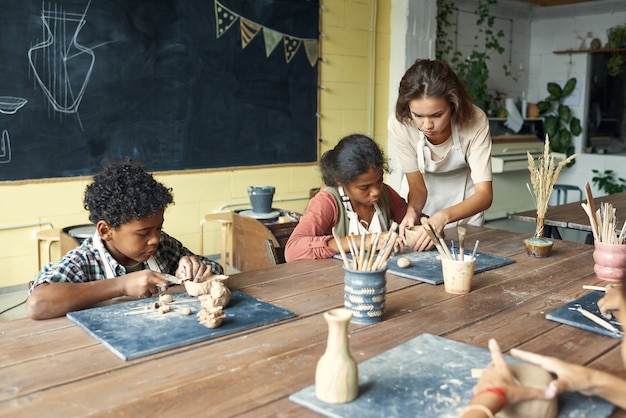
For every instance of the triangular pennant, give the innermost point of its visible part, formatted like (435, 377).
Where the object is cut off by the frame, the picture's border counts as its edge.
(248, 31)
(310, 46)
(224, 19)
(272, 38)
(291, 47)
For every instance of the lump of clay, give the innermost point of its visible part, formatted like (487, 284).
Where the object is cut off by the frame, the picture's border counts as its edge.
(533, 376)
(214, 285)
(403, 262)
(411, 234)
(166, 298)
(211, 317)
(186, 311)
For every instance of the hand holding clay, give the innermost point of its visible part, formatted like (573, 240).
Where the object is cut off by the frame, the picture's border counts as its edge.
(191, 268)
(143, 283)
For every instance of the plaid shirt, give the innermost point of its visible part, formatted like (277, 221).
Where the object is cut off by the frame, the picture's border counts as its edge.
(85, 264)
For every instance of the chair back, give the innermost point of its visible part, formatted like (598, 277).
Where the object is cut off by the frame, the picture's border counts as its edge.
(249, 238)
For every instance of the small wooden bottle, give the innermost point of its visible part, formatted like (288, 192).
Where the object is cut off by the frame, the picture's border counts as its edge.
(336, 375)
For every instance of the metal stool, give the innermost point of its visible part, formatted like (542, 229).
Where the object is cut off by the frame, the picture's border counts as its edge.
(563, 189)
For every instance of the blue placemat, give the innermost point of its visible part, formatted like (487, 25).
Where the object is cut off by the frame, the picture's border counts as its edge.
(428, 377)
(426, 267)
(133, 333)
(568, 316)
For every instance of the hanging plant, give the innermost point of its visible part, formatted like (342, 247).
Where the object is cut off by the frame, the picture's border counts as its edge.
(616, 39)
(471, 69)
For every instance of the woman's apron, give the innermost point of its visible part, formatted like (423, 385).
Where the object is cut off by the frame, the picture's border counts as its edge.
(448, 181)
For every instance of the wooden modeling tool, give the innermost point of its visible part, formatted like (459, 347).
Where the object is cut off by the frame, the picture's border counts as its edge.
(592, 211)
(461, 234)
(596, 319)
(433, 238)
(344, 256)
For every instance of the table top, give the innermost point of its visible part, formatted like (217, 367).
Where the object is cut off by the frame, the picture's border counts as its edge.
(572, 215)
(55, 368)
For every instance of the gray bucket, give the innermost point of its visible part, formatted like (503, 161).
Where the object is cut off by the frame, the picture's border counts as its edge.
(261, 198)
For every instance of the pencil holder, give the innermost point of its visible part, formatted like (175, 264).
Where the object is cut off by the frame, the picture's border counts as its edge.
(364, 294)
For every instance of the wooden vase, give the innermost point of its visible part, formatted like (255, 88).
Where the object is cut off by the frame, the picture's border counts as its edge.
(336, 375)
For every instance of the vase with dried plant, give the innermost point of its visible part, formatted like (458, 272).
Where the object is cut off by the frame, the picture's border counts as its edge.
(543, 176)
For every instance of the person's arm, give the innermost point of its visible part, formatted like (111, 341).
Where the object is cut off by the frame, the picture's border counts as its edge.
(576, 378)
(312, 238)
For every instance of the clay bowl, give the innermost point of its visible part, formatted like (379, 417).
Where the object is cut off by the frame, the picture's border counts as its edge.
(411, 234)
(538, 247)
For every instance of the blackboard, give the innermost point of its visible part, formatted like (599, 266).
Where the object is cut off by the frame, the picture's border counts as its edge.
(175, 84)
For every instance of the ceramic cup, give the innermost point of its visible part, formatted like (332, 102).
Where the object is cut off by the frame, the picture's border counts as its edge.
(458, 275)
(364, 294)
(610, 261)
(538, 247)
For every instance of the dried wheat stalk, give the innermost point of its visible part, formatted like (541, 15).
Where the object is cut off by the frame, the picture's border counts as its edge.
(543, 177)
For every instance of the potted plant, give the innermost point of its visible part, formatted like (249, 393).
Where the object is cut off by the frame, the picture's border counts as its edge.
(543, 176)
(559, 123)
(606, 181)
(616, 36)
(471, 68)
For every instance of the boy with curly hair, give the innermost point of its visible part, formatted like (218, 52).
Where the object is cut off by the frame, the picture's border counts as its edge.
(127, 206)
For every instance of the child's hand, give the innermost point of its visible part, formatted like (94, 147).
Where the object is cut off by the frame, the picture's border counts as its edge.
(609, 303)
(191, 268)
(144, 283)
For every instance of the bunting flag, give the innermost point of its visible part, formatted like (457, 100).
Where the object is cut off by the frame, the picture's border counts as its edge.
(225, 18)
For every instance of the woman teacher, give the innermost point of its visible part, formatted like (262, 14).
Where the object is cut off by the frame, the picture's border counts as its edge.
(444, 148)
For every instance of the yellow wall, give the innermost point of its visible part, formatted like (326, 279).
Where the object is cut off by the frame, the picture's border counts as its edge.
(344, 107)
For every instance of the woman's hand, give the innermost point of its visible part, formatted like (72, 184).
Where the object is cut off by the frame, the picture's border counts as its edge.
(498, 375)
(569, 377)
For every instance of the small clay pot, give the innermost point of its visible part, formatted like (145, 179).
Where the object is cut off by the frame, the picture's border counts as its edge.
(538, 247)
(610, 261)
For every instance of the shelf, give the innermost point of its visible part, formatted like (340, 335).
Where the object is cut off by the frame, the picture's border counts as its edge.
(590, 51)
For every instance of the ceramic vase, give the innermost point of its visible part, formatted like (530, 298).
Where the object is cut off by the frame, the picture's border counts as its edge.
(364, 294)
(336, 375)
(610, 261)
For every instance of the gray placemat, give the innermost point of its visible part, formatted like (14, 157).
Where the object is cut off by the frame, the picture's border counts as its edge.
(428, 377)
(130, 333)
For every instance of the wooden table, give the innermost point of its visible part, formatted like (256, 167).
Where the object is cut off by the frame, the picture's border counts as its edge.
(573, 216)
(55, 368)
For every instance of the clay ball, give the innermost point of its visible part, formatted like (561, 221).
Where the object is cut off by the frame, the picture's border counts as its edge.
(403, 262)
(186, 311)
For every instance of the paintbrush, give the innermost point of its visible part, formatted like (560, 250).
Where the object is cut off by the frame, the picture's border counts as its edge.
(344, 256)
(461, 235)
(433, 237)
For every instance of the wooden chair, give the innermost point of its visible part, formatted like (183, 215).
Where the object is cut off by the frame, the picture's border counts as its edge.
(276, 255)
(249, 237)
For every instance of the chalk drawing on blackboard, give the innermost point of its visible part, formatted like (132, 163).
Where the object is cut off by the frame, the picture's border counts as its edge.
(9, 104)
(225, 18)
(5, 147)
(61, 65)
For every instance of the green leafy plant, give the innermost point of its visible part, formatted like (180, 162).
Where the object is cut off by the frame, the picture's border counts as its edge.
(606, 181)
(559, 123)
(473, 69)
(616, 39)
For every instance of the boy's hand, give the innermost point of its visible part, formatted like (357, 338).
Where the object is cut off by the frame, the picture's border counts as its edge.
(191, 268)
(144, 283)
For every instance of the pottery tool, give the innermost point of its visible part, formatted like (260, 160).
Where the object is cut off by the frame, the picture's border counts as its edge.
(461, 235)
(589, 287)
(362, 251)
(453, 250)
(344, 256)
(595, 318)
(475, 249)
(433, 238)
(591, 212)
(374, 245)
(384, 254)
